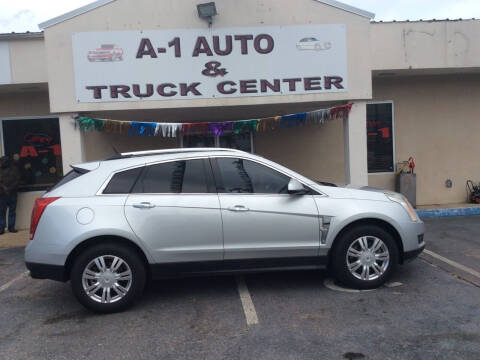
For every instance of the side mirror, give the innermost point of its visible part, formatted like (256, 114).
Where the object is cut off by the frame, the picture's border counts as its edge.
(296, 187)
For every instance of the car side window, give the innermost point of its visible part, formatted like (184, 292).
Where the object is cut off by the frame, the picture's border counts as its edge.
(122, 182)
(236, 175)
(185, 176)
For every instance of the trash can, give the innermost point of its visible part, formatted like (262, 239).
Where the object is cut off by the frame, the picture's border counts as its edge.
(406, 184)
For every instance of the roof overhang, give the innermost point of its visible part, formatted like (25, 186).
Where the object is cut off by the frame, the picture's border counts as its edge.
(346, 7)
(21, 36)
(73, 13)
(98, 3)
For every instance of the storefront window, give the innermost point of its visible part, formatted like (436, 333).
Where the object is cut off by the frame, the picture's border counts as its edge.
(34, 145)
(233, 141)
(237, 141)
(193, 141)
(380, 137)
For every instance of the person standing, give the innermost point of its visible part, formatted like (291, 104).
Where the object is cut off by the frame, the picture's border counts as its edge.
(9, 181)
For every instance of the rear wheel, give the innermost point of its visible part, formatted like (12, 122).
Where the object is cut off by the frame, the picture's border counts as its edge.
(364, 257)
(108, 277)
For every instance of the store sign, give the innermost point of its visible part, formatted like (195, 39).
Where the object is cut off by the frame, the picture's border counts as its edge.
(220, 63)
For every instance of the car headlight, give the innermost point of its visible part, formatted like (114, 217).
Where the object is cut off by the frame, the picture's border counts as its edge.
(402, 200)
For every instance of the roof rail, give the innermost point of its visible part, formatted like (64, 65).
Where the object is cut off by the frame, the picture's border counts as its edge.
(178, 150)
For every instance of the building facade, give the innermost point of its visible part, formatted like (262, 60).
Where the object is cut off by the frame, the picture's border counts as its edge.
(413, 87)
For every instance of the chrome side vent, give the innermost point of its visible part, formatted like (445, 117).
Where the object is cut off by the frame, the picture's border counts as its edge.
(324, 227)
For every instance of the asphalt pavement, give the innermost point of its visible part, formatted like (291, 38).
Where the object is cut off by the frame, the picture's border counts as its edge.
(431, 312)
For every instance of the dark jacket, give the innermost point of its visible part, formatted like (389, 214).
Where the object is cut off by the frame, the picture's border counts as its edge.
(9, 178)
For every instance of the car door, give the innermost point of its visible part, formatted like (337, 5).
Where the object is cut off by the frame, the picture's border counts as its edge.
(262, 223)
(175, 210)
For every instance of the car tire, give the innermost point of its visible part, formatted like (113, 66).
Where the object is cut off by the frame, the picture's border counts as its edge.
(116, 270)
(351, 251)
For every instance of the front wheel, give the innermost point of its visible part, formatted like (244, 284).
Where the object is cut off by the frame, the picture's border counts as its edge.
(364, 257)
(108, 278)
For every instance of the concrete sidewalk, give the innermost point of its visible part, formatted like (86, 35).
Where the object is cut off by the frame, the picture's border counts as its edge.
(9, 240)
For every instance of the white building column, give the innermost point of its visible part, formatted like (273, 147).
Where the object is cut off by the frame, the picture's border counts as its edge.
(71, 139)
(355, 135)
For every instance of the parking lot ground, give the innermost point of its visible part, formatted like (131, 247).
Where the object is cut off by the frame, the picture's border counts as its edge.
(458, 240)
(434, 314)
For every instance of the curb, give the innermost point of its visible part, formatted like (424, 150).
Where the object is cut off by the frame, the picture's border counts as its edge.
(467, 211)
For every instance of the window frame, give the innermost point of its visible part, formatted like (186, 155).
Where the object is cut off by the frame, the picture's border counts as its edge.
(393, 137)
(215, 168)
(32, 117)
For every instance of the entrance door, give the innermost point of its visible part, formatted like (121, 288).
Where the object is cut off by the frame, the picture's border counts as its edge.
(261, 221)
(174, 209)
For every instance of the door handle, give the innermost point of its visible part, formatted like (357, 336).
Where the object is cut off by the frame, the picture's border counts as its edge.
(238, 208)
(144, 205)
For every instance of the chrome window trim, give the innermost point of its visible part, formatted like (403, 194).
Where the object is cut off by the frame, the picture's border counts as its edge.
(232, 156)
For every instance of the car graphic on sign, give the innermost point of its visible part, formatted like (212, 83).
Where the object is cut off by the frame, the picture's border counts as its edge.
(37, 139)
(311, 43)
(107, 52)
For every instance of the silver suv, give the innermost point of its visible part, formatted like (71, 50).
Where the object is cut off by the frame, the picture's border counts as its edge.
(109, 226)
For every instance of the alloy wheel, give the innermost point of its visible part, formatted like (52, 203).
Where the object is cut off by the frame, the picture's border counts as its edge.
(368, 258)
(107, 279)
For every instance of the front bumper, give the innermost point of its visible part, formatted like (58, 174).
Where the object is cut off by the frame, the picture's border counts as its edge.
(410, 255)
(46, 271)
(413, 242)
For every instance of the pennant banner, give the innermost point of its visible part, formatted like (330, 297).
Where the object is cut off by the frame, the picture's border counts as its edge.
(135, 128)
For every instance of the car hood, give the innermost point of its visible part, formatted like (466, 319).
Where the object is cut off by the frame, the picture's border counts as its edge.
(351, 191)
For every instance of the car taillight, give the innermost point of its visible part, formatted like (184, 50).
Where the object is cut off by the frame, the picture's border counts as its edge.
(38, 209)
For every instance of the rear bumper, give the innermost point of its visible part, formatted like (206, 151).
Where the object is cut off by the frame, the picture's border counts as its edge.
(46, 271)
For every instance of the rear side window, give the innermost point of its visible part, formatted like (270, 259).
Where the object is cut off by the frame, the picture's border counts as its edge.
(69, 177)
(122, 182)
(186, 176)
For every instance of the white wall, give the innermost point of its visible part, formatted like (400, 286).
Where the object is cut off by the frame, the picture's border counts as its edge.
(436, 122)
(5, 73)
(425, 45)
(28, 61)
